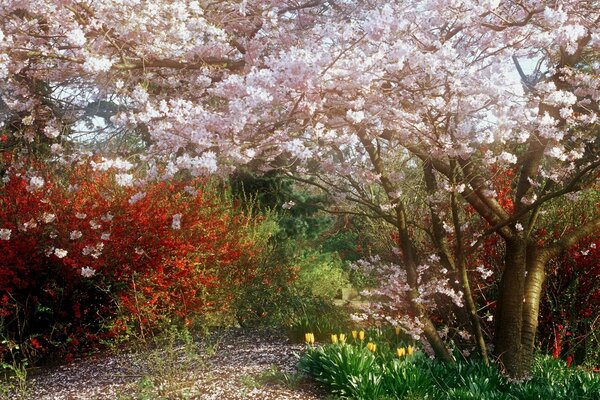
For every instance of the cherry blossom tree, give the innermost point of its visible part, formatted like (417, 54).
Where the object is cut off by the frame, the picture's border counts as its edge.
(351, 92)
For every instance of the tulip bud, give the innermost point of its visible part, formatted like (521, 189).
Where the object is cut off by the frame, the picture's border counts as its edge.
(309, 338)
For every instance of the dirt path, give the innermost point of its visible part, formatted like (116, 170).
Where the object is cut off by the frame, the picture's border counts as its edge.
(232, 365)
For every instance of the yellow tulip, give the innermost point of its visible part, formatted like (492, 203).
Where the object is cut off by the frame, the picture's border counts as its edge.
(372, 347)
(397, 330)
(354, 334)
(400, 351)
(361, 335)
(342, 338)
(334, 338)
(309, 338)
(410, 350)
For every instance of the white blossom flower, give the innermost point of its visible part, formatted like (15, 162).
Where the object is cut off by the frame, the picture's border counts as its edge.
(105, 164)
(288, 204)
(386, 207)
(105, 236)
(35, 182)
(190, 190)
(56, 148)
(48, 217)
(95, 225)
(485, 273)
(60, 253)
(88, 272)
(124, 179)
(140, 95)
(176, 223)
(136, 197)
(74, 235)
(31, 224)
(360, 317)
(555, 16)
(434, 258)
(97, 64)
(80, 215)
(557, 152)
(94, 251)
(51, 132)
(464, 334)
(508, 157)
(28, 120)
(107, 217)
(355, 116)
(448, 228)
(76, 37)
(519, 227)
(529, 199)
(5, 233)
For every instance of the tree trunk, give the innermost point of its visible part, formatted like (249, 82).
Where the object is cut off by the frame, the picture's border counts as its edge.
(472, 311)
(536, 263)
(509, 313)
(464, 280)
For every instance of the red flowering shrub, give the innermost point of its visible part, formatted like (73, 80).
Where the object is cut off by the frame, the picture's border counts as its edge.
(569, 315)
(83, 259)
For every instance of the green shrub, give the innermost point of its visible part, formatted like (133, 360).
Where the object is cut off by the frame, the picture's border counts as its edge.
(299, 296)
(321, 274)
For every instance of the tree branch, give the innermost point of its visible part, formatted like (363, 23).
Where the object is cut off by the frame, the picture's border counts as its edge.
(572, 238)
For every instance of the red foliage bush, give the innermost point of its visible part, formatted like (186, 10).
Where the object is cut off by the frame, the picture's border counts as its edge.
(569, 315)
(87, 260)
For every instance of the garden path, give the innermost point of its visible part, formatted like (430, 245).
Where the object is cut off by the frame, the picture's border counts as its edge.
(235, 364)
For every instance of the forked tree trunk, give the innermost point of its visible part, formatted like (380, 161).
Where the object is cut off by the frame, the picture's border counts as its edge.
(519, 299)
